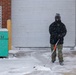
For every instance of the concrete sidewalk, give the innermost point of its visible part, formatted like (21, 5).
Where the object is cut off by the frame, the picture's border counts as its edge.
(43, 58)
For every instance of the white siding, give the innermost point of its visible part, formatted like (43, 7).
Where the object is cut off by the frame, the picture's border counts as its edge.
(31, 20)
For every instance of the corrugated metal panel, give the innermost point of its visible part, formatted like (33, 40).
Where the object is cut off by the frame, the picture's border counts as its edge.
(0, 16)
(31, 20)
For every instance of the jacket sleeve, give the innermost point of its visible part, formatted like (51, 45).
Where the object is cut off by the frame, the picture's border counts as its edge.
(64, 31)
(50, 29)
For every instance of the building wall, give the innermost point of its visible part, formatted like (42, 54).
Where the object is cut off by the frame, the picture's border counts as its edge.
(31, 20)
(6, 11)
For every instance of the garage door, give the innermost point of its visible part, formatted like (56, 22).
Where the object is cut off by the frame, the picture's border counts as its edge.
(31, 20)
(0, 16)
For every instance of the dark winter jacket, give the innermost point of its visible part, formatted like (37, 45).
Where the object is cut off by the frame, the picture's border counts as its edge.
(57, 31)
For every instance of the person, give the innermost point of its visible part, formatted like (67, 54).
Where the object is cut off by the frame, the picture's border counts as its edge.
(57, 32)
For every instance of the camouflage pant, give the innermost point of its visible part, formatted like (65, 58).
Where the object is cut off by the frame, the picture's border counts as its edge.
(60, 55)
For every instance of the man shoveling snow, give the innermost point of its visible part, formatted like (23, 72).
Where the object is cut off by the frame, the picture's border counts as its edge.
(57, 32)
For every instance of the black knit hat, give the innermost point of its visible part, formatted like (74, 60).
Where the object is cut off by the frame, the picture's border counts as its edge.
(57, 16)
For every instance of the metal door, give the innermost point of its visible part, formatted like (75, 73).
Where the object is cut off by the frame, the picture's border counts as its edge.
(31, 20)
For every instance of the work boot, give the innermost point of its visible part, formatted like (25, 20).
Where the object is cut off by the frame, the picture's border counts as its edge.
(61, 63)
(53, 61)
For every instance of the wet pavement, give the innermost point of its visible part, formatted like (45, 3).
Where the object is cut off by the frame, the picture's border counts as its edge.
(44, 58)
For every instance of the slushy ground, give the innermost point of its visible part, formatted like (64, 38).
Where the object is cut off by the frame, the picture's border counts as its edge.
(37, 62)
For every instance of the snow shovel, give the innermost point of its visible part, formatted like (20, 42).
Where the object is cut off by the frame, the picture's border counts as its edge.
(55, 47)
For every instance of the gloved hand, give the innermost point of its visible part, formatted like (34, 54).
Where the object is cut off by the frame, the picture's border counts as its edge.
(59, 36)
(54, 35)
